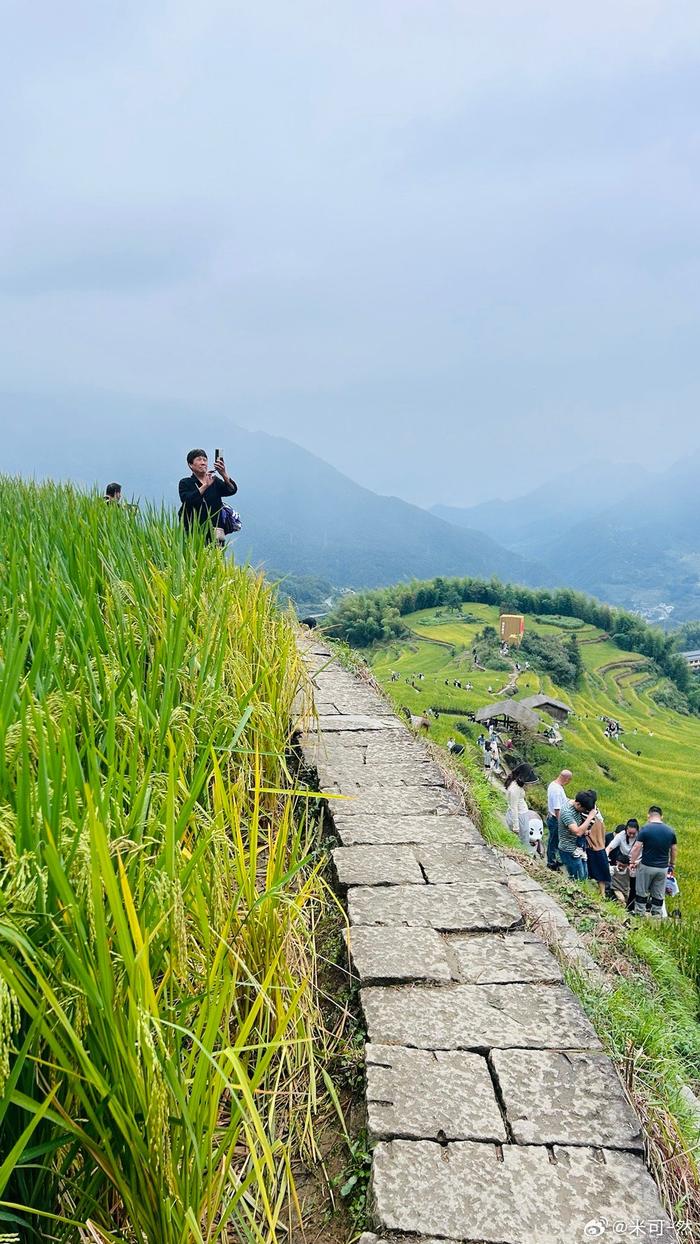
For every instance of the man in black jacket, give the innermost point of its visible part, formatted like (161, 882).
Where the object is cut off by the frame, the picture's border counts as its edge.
(201, 493)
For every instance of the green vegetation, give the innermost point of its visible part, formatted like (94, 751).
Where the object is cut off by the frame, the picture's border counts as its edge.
(309, 593)
(647, 1021)
(548, 654)
(159, 1033)
(375, 617)
(687, 637)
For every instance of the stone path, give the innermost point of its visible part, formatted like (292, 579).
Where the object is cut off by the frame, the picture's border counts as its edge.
(495, 1116)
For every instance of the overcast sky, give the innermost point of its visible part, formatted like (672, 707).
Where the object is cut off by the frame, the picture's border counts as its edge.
(450, 245)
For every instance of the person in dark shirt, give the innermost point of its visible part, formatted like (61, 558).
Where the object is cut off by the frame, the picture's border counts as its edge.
(201, 493)
(654, 852)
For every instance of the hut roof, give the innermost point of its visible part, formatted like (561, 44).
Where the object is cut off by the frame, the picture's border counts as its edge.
(517, 711)
(538, 701)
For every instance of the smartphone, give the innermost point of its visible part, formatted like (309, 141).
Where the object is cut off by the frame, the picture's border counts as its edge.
(217, 455)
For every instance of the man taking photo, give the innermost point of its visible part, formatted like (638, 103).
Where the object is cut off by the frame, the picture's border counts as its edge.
(201, 493)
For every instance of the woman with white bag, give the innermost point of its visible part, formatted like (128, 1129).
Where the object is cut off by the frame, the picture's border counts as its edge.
(518, 814)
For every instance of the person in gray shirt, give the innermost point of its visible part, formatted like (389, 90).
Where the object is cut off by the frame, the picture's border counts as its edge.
(654, 852)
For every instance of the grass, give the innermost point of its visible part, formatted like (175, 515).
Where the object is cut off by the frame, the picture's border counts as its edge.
(647, 1021)
(159, 1031)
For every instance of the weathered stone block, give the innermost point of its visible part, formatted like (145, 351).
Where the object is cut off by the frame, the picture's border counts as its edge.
(438, 1096)
(384, 865)
(392, 799)
(380, 954)
(482, 959)
(426, 829)
(566, 1099)
(455, 864)
(354, 777)
(472, 1192)
(458, 907)
(357, 699)
(477, 1017)
(344, 722)
(524, 884)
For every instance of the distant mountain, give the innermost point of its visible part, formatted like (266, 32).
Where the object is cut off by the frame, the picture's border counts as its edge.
(300, 515)
(527, 524)
(621, 533)
(643, 552)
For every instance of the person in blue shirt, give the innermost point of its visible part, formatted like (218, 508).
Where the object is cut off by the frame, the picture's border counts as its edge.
(654, 853)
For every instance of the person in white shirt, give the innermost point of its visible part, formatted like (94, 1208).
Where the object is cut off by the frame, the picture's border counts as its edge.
(518, 814)
(624, 877)
(556, 799)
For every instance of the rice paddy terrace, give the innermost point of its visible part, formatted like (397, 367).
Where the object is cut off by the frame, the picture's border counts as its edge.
(655, 761)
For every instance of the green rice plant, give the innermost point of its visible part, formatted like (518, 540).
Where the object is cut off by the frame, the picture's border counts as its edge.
(158, 884)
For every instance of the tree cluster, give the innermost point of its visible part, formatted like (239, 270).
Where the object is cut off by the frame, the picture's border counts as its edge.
(548, 654)
(375, 617)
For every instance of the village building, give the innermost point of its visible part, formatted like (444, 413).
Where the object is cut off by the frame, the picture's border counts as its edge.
(547, 704)
(511, 716)
(693, 659)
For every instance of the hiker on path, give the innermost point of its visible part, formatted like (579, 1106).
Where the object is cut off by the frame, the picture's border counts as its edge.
(624, 875)
(556, 798)
(653, 854)
(518, 814)
(201, 493)
(575, 821)
(596, 856)
(495, 755)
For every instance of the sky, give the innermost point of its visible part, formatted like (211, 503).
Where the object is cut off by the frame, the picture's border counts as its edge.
(451, 246)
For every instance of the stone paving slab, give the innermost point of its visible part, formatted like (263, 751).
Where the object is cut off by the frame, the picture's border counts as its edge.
(565, 1099)
(475, 1192)
(491, 959)
(444, 907)
(436, 1096)
(354, 830)
(477, 1017)
(381, 954)
(524, 884)
(394, 800)
(390, 747)
(395, 743)
(385, 742)
(325, 708)
(355, 699)
(330, 680)
(448, 865)
(385, 865)
(358, 724)
(354, 776)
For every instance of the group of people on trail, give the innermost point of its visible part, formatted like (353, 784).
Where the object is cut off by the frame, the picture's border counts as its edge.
(643, 860)
(632, 865)
(490, 751)
(202, 494)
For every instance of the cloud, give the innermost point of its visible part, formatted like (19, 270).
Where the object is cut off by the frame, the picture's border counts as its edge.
(381, 228)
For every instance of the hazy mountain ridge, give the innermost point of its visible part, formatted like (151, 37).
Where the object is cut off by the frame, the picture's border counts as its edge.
(300, 515)
(637, 543)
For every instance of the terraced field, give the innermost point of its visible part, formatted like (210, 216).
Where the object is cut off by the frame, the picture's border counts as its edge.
(616, 684)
